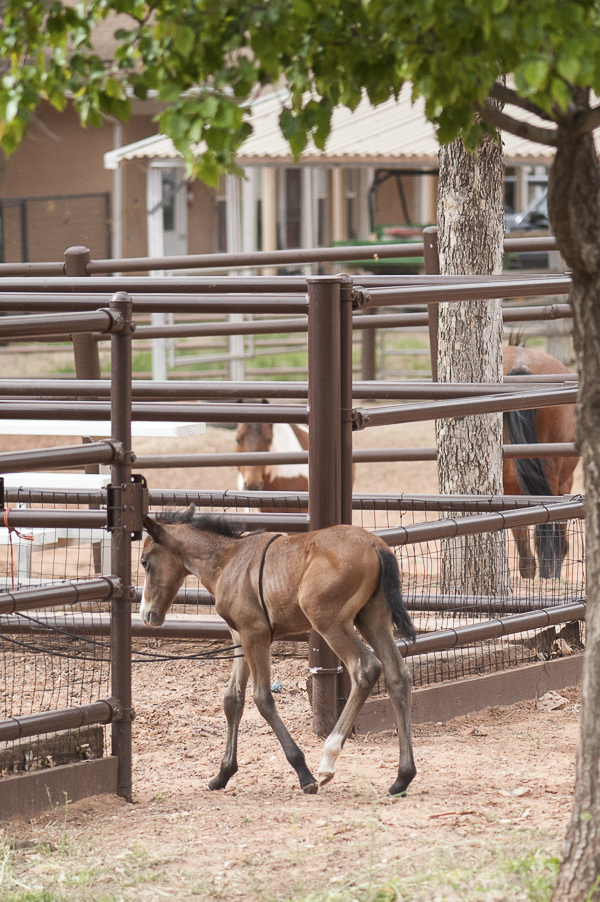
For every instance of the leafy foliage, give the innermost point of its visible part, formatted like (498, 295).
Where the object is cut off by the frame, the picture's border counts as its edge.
(207, 59)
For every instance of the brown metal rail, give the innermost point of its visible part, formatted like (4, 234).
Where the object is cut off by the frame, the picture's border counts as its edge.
(482, 523)
(155, 412)
(374, 455)
(492, 629)
(412, 413)
(403, 501)
(198, 629)
(16, 328)
(102, 452)
(477, 291)
(256, 259)
(200, 390)
(109, 710)
(74, 592)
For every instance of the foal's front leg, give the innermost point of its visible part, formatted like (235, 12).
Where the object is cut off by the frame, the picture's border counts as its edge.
(233, 705)
(257, 648)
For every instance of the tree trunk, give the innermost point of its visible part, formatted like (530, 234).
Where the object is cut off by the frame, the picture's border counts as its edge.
(470, 240)
(574, 208)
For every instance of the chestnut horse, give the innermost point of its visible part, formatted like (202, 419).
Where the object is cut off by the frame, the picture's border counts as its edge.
(267, 586)
(538, 476)
(278, 437)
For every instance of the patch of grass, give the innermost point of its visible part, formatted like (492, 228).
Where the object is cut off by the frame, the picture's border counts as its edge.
(42, 896)
(450, 878)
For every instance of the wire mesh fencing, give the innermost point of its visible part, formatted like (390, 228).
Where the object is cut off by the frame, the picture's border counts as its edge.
(60, 657)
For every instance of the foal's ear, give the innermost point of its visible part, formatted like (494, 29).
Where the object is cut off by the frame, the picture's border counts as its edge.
(191, 569)
(154, 529)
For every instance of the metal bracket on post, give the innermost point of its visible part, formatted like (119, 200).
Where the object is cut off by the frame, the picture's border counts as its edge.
(127, 505)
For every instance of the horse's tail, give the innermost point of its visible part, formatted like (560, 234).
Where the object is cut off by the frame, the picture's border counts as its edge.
(531, 473)
(390, 585)
(522, 430)
(533, 480)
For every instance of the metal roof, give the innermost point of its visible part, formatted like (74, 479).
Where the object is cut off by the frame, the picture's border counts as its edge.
(393, 134)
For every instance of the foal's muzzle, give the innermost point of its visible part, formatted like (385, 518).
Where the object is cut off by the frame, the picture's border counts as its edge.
(253, 486)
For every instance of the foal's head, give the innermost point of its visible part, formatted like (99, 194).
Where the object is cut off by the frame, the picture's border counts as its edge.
(165, 569)
(253, 437)
(166, 561)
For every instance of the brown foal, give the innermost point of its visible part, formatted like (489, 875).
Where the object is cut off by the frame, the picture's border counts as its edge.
(267, 587)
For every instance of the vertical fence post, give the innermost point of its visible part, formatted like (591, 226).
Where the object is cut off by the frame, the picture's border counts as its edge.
(346, 397)
(120, 632)
(87, 361)
(85, 349)
(432, 268)
(369, 354)
(324, 472)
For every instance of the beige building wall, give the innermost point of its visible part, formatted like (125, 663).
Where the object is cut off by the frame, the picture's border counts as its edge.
(60, 157)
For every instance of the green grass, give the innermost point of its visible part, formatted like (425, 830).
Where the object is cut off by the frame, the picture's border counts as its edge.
(530, 877)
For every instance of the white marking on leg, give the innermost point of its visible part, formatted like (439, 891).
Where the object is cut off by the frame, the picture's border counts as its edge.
(331, 752)
(284, 440)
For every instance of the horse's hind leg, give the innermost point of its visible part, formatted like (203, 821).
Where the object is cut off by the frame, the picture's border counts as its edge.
(373, 623)
(257, 648)
(233, 705)
(364, 670)
(527, 565)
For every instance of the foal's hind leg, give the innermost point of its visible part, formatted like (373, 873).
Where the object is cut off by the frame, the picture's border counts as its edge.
(364, 670)
(374, 626)
(233, 705)
(257, 648)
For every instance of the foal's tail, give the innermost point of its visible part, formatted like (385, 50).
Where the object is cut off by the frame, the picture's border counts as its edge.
(390, 585)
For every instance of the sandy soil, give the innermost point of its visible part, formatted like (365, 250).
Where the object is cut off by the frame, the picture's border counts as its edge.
(489, 806)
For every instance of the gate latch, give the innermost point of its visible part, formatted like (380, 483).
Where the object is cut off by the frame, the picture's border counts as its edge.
(127, 505)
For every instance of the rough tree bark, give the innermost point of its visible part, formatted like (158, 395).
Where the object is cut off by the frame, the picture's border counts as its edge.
(574, 208)
(470, 241)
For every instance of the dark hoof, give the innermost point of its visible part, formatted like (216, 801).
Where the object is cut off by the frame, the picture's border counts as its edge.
(310, 789)
(217, 783)
(402, 783)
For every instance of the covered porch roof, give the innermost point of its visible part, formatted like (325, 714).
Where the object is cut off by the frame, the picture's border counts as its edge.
(394, 134)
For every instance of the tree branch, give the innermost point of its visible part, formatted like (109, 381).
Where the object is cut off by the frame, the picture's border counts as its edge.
(506, 95)
(590, 121)
(491, 116)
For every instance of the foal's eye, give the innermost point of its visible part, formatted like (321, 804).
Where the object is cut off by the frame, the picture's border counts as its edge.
(144, 563)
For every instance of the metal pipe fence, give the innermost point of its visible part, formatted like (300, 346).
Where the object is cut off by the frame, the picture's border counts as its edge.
(446, 617)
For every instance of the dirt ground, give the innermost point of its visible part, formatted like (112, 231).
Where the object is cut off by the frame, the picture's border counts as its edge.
(483, 820)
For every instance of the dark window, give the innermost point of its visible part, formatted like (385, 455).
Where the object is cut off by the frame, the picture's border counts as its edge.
(293, 195)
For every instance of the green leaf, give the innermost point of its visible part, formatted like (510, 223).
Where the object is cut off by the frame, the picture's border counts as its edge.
(114, 89)
(289, 124)
(536, 73)
(568, 67)
(170, 91)
(184, 40)
(560, 93)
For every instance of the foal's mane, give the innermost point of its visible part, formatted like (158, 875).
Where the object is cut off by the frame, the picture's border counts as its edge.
(202, 522)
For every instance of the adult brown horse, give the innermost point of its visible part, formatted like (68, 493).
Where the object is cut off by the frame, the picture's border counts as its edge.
(277, 437)
(267, 586)
(538, 476)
